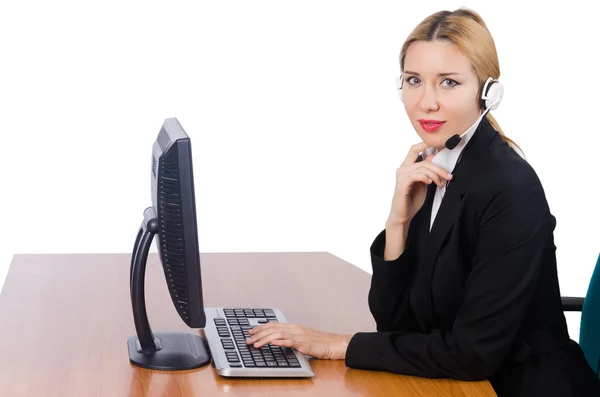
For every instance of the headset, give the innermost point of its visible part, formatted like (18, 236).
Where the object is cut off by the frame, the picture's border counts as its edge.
(491, 96)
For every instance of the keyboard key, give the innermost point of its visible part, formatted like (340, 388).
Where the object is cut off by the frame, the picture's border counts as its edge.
(235, 365)
(269, 313)
(263, 321)
(295, 364)
(272, 364)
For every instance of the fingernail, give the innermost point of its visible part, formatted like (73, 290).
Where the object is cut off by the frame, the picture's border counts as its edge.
(450, 175)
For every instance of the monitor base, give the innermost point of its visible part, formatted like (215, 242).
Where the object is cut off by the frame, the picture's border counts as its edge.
(175, 351)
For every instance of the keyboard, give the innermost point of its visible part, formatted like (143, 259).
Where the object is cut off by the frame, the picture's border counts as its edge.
(226, 331)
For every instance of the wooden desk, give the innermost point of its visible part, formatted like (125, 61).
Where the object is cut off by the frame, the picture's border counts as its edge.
(65, 320)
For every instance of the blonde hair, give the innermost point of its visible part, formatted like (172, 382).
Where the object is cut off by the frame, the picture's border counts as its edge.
(465, 29)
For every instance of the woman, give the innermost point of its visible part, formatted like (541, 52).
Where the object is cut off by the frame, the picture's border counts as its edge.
(464, 282)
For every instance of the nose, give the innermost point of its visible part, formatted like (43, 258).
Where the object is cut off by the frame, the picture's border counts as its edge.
(428, 102)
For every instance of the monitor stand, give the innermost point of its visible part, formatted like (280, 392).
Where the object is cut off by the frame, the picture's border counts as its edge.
(168, 351)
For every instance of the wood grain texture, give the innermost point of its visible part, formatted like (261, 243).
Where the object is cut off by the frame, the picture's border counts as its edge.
(65, 320)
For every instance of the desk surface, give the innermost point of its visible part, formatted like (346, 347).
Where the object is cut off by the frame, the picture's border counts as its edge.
(65, 320)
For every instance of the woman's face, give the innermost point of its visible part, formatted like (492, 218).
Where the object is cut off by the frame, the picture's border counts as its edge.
(439, 84)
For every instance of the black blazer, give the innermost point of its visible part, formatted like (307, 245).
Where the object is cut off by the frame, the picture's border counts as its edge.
(478, 297)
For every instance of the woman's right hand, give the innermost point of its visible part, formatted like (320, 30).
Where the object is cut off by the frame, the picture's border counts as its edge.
(412, 180)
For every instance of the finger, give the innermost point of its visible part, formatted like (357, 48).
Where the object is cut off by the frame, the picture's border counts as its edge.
(264, 334)
(416, 177)
(260, 328)
(270, 325)
(274, 336)
(286, 343)
(291, 329)
(430, 157)
(259, 335)
(435, 168)
(413, 153)
(431, 175)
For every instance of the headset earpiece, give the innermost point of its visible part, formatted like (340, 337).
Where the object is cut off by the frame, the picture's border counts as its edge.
(399, 87)
(492, 93)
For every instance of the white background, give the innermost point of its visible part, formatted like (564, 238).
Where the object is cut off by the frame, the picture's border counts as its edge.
(295, 124)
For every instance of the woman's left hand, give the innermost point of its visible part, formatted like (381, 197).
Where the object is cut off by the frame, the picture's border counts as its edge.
(319, 344)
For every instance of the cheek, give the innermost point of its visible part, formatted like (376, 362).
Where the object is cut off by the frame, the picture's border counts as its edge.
(460, 106)
(460, 98)
(454, 110)
(412, 109)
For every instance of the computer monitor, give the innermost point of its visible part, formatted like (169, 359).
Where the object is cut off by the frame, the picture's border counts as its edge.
(172, 219)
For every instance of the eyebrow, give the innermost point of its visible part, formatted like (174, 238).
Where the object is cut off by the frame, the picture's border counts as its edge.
(439, 74)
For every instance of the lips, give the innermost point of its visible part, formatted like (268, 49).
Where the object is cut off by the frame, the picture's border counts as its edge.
(431, 125)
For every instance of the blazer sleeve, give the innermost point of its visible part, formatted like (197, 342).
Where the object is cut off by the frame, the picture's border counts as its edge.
(390, 283)
(514, 230)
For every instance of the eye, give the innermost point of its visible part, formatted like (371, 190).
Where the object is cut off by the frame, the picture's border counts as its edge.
(452, 83)
(410, 80)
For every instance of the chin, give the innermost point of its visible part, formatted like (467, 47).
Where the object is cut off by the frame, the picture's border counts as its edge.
(436, 143)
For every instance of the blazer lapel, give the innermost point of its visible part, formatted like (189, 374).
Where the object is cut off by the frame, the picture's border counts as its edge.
(420, 289)
(448, 212)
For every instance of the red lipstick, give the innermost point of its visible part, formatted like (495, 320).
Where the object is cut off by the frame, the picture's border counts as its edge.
(431, 125)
